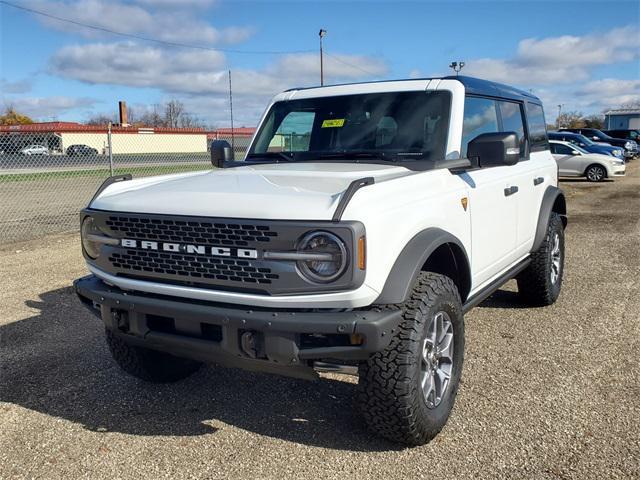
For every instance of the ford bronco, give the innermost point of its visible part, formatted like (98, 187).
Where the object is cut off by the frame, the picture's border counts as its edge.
(361, 225)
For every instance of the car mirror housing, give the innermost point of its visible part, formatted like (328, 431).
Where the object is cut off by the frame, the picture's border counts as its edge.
(221, 152)
(494, 149)
(575, 152)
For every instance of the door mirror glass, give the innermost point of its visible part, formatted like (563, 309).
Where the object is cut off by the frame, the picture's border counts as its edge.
(494, 149)
(221, 152)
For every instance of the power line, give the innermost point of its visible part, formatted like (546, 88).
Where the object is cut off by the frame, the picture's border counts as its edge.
(149, 39)
(349, 64)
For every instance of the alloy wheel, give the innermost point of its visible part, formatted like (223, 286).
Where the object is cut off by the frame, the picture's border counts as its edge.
(437, 359)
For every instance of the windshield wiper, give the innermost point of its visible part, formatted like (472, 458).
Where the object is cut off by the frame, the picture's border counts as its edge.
(287, 156)
(355, 155)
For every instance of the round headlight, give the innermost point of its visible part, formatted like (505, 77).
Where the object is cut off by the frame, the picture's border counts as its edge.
(331, 261)
(92, 249)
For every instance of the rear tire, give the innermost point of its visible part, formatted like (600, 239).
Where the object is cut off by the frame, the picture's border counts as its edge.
(540, 283)
(149, 365)
(595, 173)
(407, 391)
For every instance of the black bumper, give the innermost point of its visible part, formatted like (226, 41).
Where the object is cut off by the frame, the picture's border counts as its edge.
(276, 341)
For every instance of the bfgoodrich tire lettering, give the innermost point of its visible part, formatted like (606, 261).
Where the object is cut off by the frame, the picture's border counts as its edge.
(390, 385)
(149, 365)
(540, 283)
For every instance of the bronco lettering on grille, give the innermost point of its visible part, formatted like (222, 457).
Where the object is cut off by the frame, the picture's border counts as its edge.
(190, 249)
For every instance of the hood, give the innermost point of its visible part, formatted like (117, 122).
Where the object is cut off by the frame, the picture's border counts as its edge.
(293, 191)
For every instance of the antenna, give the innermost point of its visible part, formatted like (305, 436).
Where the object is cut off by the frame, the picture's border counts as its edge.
(231, 113)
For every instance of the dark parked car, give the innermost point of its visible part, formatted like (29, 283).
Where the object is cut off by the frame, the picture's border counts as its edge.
(630, 134)
(80, 151)
(586, 144)
(630, 147)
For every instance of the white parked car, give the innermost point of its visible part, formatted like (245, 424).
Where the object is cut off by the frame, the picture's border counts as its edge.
(574, 161)
(35, 150)
(362, 224)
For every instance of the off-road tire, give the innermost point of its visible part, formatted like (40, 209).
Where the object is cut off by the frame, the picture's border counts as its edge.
(149, 365)
(535, 285)
(389, 393)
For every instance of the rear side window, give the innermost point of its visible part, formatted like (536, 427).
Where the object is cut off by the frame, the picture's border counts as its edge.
(537, 127)
(511, 115)
(480, 116)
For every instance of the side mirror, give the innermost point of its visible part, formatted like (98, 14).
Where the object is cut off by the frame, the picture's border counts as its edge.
(221, 152)
(495, 149)
(595, 138)
(575, 152)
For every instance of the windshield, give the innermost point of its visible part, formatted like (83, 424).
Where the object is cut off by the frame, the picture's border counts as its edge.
(396, 126)
(580, 149)
(583, 139)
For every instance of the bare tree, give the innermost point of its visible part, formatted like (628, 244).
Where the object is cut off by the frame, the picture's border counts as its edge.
(571, 120)
(173, 111)
(594, 121)
(101, 119)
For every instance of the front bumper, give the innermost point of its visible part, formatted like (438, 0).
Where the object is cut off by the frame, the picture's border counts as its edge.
(285, 342)
(618, 170)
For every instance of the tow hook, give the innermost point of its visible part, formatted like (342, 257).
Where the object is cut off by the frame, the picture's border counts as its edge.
(248, 344)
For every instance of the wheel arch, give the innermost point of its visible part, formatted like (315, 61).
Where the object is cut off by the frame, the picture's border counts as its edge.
(553, 201)
(433, 250)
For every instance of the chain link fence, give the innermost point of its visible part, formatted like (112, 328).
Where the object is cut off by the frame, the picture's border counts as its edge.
(47, 177)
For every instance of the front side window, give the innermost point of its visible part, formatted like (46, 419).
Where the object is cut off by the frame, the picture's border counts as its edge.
(394, 126)
(511, 115)
(561, 149)
(480, 116)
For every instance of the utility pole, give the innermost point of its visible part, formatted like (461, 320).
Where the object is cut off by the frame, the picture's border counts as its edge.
(231, 113)
(321, 34)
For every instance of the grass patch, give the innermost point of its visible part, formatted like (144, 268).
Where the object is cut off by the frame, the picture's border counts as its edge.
(102, 173)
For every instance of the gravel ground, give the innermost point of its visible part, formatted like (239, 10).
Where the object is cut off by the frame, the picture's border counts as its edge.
(547, 392)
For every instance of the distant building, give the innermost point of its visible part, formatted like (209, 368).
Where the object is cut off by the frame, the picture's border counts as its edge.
(622, 119)
(58, 136)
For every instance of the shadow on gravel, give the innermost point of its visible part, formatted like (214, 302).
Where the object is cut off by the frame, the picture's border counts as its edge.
(504, 299)
(57, 363)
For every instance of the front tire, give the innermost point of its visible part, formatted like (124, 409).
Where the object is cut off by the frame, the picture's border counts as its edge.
(149, 365)
(540, 283)
(407, 391)
(596, 173)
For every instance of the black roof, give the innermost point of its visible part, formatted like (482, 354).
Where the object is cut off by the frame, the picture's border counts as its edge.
(477, 86)
(474, 86)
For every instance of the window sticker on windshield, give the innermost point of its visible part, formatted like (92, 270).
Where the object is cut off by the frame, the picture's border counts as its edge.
(333, 123)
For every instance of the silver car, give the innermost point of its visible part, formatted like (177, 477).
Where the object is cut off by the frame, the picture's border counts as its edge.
(574, 161)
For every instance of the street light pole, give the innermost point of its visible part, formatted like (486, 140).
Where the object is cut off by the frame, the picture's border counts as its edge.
(321, 34)
(456, 66)
(559, 113)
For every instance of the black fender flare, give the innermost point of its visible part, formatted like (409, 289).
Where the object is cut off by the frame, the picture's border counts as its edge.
(553, 197)
(413, 256)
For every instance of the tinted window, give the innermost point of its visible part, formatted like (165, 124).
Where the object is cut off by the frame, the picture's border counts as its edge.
(480, 116)
(537, 127)
(561, 149)
(511, 114)
(404, 126)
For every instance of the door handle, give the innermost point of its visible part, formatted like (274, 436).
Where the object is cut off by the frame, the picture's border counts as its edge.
(510, 190)
(538, 180)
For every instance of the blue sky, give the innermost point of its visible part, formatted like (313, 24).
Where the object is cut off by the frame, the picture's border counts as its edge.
(581, 54)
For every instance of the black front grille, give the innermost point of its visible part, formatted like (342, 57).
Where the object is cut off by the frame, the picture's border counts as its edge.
(191, 231)
(212, 268)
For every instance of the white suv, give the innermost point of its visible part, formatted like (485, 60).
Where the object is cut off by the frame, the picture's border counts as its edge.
(364, 221)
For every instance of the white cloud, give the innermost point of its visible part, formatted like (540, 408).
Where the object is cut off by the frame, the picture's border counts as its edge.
(17, 86)
(171, 25)
(200, 72)
(557, 60)
(44, 108)
(609, 92)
